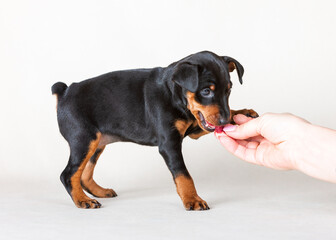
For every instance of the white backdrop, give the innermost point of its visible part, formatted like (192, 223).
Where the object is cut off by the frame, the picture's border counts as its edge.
(286, 47)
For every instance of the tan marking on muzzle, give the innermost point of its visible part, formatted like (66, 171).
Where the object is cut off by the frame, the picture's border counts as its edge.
(209, 112)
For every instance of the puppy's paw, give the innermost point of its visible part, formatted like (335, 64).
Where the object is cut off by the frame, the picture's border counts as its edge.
(88, 203)
(247, 112)
(195, 203)
(110, 193)
(251, 113)
(97, 191)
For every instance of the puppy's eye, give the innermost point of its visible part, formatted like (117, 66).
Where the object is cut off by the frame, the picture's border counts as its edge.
(207, 92)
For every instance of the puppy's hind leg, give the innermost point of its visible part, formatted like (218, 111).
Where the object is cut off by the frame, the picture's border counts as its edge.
(89, 184)
(82, 147)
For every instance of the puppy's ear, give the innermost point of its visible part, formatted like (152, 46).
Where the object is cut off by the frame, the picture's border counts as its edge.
(234, 64)
(186, 76)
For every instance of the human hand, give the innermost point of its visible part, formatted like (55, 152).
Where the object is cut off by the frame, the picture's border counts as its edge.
(268, 140)
(282, 141)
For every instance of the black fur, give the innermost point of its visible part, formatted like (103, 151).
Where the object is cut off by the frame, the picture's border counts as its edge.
(58, 88)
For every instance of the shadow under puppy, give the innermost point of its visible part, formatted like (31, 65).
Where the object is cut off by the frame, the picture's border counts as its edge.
(154, 107)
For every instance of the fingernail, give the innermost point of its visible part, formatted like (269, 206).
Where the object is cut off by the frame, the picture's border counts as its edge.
(229, 128)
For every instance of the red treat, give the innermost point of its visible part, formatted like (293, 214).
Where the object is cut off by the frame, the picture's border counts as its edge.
(219, 129)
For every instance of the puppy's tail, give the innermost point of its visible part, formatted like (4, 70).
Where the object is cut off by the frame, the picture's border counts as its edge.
(58, 89)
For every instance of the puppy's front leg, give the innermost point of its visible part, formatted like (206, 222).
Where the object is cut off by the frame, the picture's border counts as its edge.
(170, 149)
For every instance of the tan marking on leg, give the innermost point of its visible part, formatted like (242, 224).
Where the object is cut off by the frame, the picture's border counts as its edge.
(77, 194)
(90, 185)
(186, 190)
(185, 187)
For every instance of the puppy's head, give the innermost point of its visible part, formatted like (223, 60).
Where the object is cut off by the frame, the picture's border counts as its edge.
(205, 81)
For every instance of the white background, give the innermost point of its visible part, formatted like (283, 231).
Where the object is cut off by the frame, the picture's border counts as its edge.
(288, 51)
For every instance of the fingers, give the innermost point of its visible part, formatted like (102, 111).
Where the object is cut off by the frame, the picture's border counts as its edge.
(229, 143)
(259, 153)
(248, 127)
(261, 140)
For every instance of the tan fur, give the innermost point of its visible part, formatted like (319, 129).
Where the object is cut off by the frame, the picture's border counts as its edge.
(198, 135)
(90, 185)
(210, 113)
(182, 126)
(77, 194)
(185, 187)
(186, 190)
(232, 66)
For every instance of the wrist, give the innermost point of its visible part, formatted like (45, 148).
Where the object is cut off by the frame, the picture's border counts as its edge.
(316, 153)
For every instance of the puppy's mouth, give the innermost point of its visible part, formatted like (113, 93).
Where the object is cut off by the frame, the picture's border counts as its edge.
(205, 124)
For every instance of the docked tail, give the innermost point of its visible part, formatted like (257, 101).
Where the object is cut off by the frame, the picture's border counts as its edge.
(58, 88)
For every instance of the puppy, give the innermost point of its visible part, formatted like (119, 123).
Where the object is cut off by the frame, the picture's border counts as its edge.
(154, 107)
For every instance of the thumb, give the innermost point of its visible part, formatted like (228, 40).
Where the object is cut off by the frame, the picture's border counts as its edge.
(245, 130)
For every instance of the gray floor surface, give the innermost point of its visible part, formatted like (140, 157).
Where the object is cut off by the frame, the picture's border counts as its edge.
(273, 205)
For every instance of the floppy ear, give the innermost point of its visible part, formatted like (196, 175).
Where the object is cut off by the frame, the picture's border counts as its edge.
(186, 76)
(234, 64)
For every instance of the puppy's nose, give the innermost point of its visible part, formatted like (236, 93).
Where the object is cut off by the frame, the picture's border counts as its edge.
(222, 121)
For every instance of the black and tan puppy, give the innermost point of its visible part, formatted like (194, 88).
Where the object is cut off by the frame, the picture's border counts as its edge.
(155, 107)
